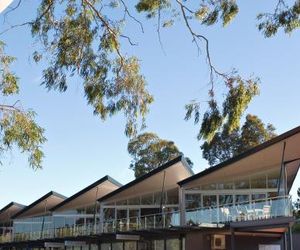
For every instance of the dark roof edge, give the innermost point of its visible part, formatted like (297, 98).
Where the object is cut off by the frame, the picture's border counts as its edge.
(145, 176)
(86, 189)
(37, 202)
(10, 205)
(242, 155)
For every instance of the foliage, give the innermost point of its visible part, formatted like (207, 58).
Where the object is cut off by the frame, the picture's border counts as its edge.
(226, 143)
(83, 39)
(17, 127)
(297, 206)
(235, 103)
(149, 152)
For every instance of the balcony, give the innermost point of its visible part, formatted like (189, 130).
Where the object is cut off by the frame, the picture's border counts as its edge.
(205, 217)
(153, 221)
(246, 211)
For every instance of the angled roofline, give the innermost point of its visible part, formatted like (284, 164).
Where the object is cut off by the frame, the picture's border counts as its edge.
(242, 155)
(10, 205)
(37, 202)
(151, 173)
(98, 182)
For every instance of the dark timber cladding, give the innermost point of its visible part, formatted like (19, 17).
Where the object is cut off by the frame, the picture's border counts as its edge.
(49, 195)
(180, 158)
(87, 189)
(248, 153)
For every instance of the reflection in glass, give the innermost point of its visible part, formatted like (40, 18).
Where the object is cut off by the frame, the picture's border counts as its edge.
(192, 201)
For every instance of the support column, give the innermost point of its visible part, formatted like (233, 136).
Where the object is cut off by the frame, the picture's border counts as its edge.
(101, 219)
(232, 239)
(182, 206)
(290, 238)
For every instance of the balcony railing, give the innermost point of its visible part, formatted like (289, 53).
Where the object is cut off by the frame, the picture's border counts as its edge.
(243, 211)
(254, 210)
(153, 221)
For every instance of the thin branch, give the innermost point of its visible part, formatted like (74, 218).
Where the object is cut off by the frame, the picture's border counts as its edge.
(131, 16)
(196, 37)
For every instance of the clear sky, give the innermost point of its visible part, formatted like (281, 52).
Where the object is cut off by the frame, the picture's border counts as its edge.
(81, 148)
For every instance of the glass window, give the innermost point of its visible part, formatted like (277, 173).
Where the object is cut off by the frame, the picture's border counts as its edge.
(117, 246)
(192, 201)
(226, 185)
(158, 198)
(147, 199)
(209, 200)
(258, 197)
(121, 213)
(134, 201)
(121, 203)
(105, 246)
(109, 213)
(273, 179)
(130, 245)
(212, 186)
(242, 184)
(172, 197)
(173, 244)
(158, 245)
(241, 199)
(259, 181)
(225, 199)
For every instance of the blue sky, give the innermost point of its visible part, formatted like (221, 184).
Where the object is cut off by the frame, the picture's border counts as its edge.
(81, 148)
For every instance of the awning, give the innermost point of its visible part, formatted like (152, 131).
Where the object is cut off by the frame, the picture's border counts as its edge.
(88, 195)
(167, 175)
(10, 210)
(41, 206)
(267, 156)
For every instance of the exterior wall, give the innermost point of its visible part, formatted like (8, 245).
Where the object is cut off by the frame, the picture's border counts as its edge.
(296, 241)
(202, 241)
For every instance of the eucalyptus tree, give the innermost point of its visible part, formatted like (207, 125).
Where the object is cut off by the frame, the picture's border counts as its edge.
(85, 38)
(226, 144)
(148, 152)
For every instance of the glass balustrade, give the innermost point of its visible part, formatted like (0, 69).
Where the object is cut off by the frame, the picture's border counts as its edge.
(259, 209)
(242, 211)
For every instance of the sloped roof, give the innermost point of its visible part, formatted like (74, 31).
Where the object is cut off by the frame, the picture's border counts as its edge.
(10, 210)
(40, 206)
(285, 147)
(88, 195)
(176, 170)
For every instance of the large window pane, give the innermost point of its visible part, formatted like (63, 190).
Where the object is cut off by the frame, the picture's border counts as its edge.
(259, 181)
(211, 186)
(242, 184)
(241, 199)
(209, 200)
(225, 200)
(273, 179)
(226, 185)
(147, 199)
(173, 244)
(192, 201)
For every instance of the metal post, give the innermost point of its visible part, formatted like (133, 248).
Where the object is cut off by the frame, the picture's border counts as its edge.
(232, 239)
